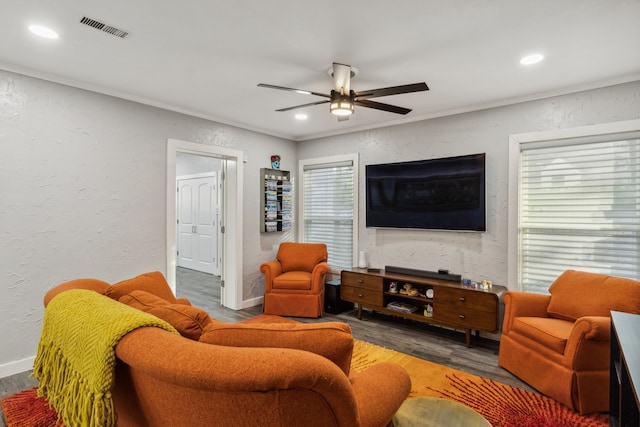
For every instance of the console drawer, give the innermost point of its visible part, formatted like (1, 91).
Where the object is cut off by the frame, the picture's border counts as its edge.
(361, 296)
(465, 317)
(466, 298)
(363, 281)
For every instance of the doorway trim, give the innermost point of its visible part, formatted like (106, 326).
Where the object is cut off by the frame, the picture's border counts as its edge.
(231, 295)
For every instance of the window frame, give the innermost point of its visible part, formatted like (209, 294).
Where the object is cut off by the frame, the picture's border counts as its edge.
(328, 161)
(518, 142)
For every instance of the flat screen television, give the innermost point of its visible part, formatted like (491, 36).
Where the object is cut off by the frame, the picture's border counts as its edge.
(436, 194)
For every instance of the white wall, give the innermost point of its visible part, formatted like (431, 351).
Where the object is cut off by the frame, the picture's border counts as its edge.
(82, 194)
(474, 255)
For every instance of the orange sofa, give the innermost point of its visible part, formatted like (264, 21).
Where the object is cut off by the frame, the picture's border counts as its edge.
(559, 343)
(262, 372)
(294, 283)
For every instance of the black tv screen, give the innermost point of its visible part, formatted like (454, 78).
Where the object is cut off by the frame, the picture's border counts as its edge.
(437, 194)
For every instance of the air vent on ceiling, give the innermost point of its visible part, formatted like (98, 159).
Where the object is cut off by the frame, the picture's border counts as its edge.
(103, 27)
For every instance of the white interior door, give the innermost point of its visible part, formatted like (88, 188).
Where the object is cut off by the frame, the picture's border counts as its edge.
(197, 224)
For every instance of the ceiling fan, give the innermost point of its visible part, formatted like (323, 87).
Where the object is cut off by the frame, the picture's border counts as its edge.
(342, 100)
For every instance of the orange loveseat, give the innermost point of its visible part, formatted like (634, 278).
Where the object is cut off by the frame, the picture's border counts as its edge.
(559, 343)
(294, 283)
(258, 373)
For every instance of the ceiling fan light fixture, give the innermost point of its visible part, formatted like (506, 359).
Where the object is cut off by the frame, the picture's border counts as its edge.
(341, 109)
(341, 104)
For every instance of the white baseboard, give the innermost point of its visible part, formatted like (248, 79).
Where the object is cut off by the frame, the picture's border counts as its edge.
(16, 367)
(252, 302)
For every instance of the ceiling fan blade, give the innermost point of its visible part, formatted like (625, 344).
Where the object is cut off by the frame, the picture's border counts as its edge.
(381, 106)
(341, 78)
(394, 90)
(302, 91)
(304, 105)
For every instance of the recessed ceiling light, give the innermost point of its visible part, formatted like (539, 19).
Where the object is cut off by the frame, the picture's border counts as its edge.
(301, 116)
(41, 31)
(532, 59)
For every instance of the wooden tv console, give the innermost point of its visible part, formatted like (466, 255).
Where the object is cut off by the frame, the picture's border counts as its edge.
(452, 304)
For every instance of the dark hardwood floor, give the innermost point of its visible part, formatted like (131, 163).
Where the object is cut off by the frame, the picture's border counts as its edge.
(432, 343)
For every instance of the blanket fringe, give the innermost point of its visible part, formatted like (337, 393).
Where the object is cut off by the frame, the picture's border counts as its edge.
(76, 401)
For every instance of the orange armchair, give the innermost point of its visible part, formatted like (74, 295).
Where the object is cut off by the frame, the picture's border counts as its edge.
(559, 343)
(294, 284)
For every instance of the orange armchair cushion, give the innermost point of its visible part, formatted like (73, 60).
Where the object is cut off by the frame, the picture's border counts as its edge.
(293, 280)
(301, 256)
(332, 340)
(153, 282)
(593, 298)
(189, 321)
(552, 333)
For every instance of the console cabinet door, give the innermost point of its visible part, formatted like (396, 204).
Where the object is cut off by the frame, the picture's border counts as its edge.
(362, 296)
(363, 281)
(466, 298)
(464, 317)
(362, 289)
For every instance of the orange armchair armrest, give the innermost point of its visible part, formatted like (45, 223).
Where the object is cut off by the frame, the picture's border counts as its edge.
(271, 270)
(588, 345)
(592, 328)
(376, 408)
(317, 276)
(523, 304)
(90, 284)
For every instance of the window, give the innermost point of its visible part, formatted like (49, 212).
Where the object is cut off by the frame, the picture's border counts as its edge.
(328, 206)
(579, 207)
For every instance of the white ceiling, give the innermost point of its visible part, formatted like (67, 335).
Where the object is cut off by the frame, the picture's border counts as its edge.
(205, 58)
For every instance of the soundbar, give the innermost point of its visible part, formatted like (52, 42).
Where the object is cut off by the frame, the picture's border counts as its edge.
(423, 273)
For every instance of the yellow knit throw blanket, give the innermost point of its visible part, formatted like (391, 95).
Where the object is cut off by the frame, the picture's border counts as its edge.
(76, 359)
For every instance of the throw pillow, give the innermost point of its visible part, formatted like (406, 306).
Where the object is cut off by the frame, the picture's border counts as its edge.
(332, 340)
(188, 320)
(153, 282)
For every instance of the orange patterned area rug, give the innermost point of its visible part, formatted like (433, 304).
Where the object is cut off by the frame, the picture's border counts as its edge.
(501, 404)
(26, 409)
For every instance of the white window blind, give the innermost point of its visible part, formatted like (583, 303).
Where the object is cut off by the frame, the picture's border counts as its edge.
(579, 209)
(328, 210)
